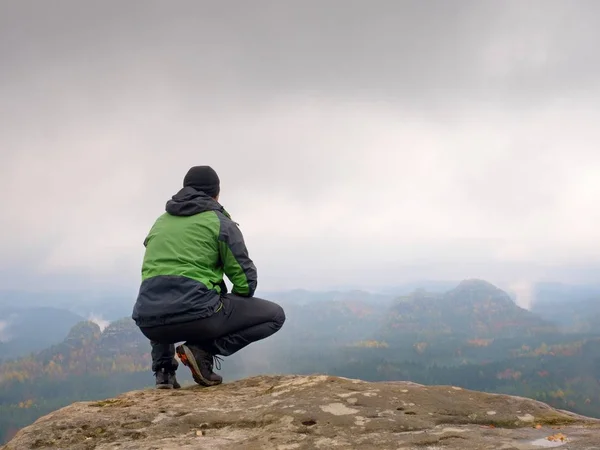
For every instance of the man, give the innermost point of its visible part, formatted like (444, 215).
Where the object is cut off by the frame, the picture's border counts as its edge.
(183, 297)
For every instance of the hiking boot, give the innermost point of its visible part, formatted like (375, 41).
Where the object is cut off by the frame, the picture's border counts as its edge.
(166, 380)
(200, 363)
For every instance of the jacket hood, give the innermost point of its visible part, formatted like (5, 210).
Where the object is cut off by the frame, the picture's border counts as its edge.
(189, 201)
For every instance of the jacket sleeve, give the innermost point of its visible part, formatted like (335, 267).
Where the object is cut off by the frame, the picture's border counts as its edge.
(237, 264)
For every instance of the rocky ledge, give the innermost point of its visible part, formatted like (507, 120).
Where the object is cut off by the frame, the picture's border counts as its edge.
(310, 412)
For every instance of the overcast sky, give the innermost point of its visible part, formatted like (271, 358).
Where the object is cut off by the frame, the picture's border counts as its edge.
(358, 142)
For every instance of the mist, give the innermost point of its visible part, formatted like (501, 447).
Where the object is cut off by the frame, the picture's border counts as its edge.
(98, 320)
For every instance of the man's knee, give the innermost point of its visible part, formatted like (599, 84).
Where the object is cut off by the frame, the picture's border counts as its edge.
(279, 316)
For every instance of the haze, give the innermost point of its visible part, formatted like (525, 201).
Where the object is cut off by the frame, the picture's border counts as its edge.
(358, 143)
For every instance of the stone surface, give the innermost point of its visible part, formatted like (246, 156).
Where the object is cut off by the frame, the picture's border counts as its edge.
(310, 412)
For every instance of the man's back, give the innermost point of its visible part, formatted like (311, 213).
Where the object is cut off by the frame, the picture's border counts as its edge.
(188, 250)
(184, 246)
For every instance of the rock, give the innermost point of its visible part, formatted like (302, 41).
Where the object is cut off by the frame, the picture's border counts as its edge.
(309, 412)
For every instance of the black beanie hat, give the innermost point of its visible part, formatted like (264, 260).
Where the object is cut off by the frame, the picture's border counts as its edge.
(203, 178)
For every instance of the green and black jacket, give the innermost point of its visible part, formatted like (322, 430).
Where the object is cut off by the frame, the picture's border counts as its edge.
(188, 250)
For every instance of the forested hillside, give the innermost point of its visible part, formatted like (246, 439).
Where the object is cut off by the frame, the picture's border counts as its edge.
(473, 336)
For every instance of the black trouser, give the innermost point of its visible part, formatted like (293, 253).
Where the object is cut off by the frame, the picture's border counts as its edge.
(239, 322)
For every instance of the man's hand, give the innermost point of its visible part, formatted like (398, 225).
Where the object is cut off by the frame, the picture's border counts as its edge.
(223, 287)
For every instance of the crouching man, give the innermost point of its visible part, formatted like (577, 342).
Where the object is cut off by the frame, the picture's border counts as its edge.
(182, 296)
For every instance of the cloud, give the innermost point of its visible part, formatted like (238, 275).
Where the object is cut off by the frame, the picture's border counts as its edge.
(357, 143)
(98, 320)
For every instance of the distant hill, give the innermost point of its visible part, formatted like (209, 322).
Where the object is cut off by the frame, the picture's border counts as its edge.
(317, 325)
(335, 319)
(87, 364)
(555, 293)
(30, 329)
(304, 297)
(572, 308)
(475, 309)
(578, 316)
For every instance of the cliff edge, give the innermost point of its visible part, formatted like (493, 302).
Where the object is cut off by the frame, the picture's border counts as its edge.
(310, 412)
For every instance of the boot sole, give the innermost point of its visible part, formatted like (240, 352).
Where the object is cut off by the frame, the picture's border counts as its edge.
(187, 358)
(164, 386)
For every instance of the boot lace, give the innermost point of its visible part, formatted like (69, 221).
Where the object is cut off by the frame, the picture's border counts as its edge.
(211, 361)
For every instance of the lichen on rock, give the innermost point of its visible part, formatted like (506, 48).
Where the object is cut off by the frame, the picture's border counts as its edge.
(308, 412)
